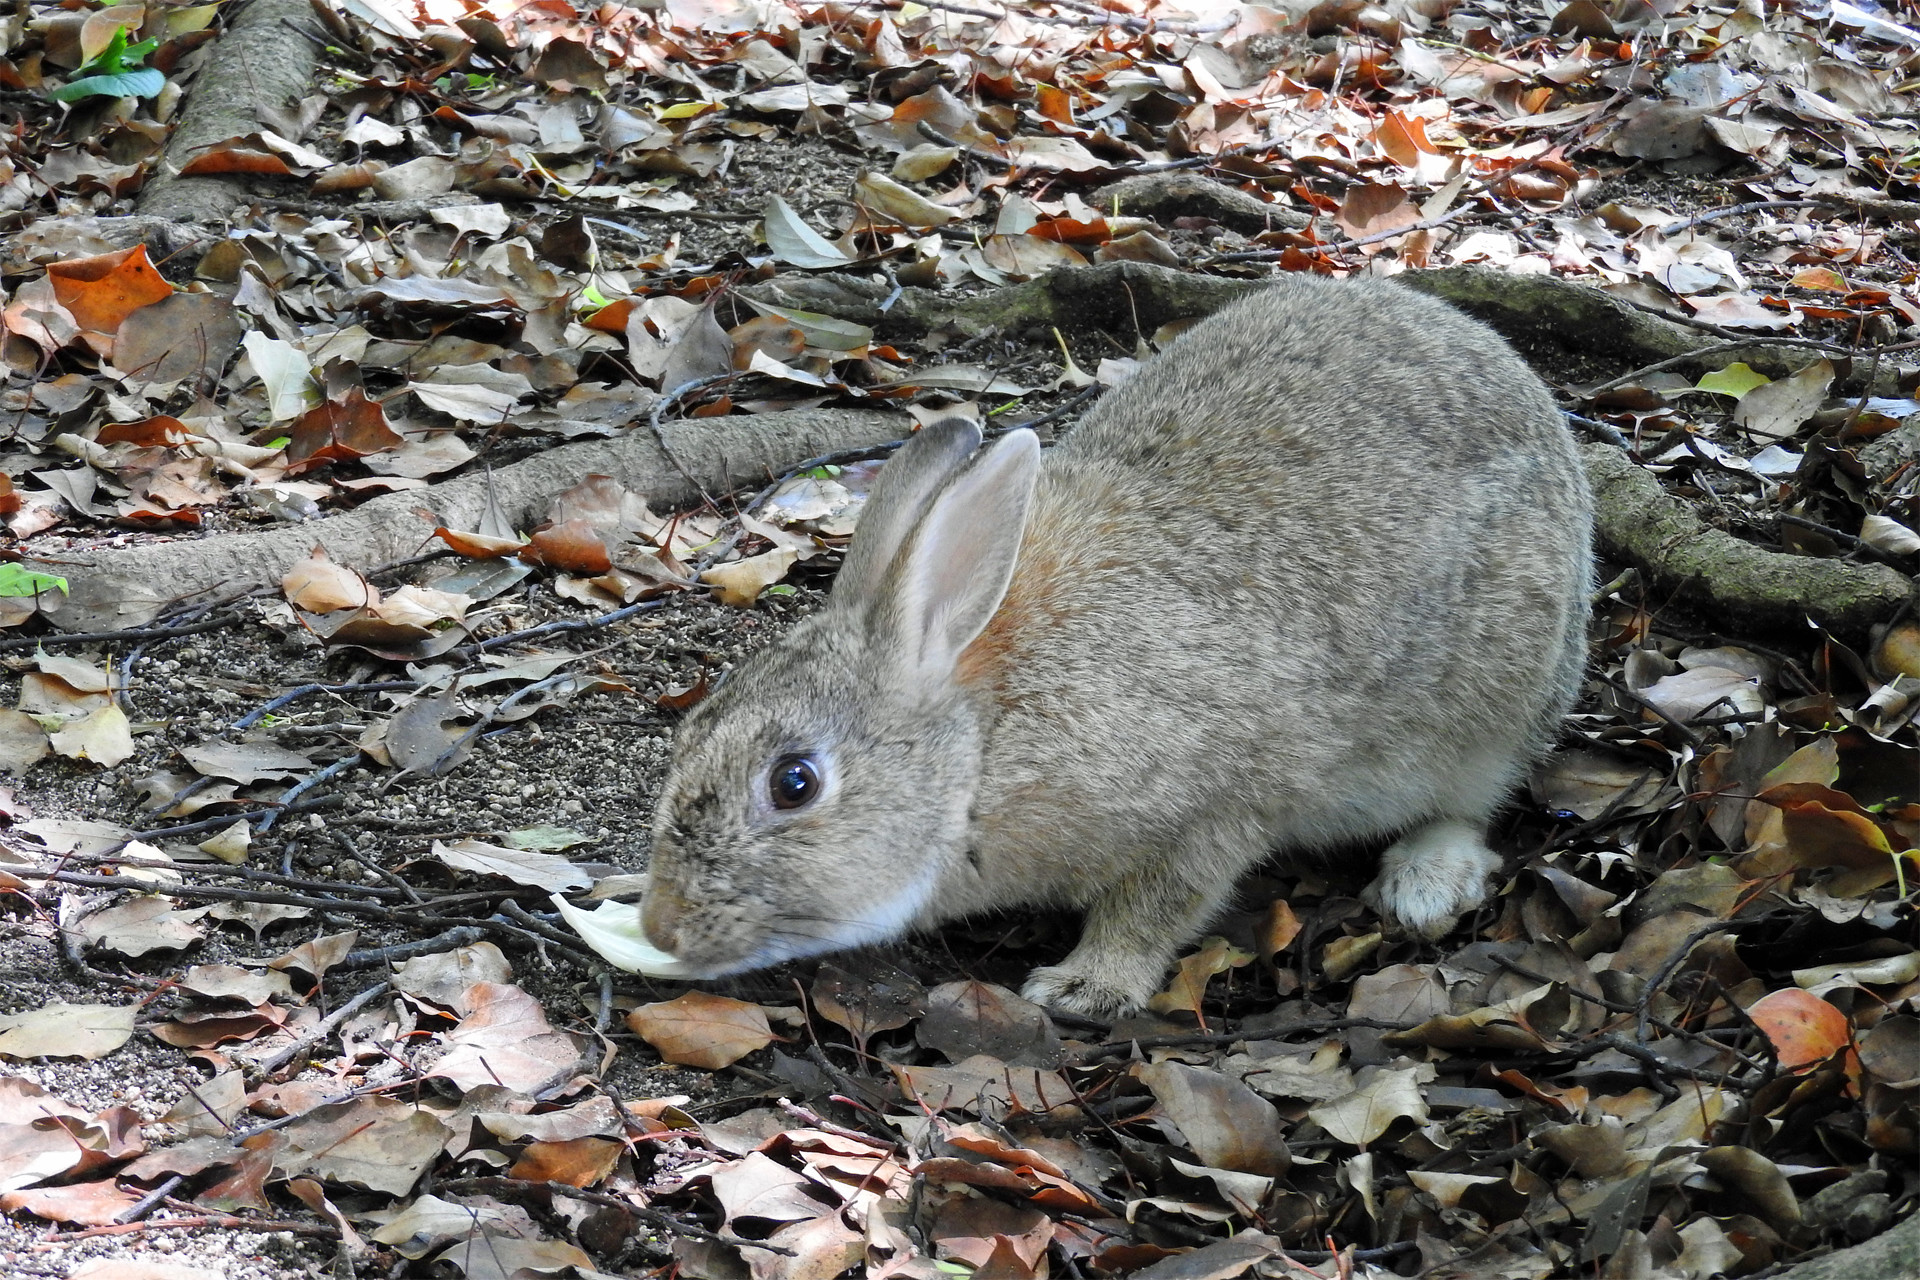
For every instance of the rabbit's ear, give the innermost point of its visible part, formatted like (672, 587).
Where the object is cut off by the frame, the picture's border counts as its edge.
(905, 486)
(955, 572)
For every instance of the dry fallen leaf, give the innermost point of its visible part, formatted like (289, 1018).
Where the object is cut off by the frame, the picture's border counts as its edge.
(63, 1030)
(702, 1030)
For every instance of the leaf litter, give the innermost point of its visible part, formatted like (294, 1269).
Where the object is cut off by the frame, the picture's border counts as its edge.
(1680, 1042)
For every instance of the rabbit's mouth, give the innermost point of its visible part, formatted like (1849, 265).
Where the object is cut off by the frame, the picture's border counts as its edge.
(711, 948)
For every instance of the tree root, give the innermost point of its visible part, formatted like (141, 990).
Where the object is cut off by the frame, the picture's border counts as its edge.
(259, 64)
(1894, 1254)
(115, 588)
(1715, 573)
(1705, 570)
(1139, 297)
(1181, 193)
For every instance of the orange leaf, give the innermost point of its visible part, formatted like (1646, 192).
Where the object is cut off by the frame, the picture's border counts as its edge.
(611, 318)
(229, 159)
(160, 431)
(1403, 138)
(476, 546)
(104, 290)
(1053, 103)
(577, 1162)
(1804, 1028)
(572, 546)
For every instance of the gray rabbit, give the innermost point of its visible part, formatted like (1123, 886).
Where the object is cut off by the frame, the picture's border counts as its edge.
(1314, 577)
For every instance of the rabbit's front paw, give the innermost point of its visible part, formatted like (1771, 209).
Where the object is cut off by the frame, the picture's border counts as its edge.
(1431, 877)
(1104, 995)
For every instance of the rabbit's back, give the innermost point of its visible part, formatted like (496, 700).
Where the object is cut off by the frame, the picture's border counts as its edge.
(1320, 570)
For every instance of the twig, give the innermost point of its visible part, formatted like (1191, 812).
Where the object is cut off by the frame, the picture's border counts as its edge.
(806, 1117)
(324, 1028)
(1122, 1047)
(1656, 1061)
(652, 1217)
(215, 893)
(1339, 246)
(1619, 687)
(225, 1221)
(1642, 1010)
(300, 788)
(149, 1202)
(111, 637)
(376, 957)
(666, 401)
(1602, 431)
(1735, 210)
(560, 626)
(1736, 343)
(298, 692)
(1842, 537)
(1062, 410)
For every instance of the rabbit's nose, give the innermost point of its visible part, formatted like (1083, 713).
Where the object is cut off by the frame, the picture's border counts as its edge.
(661, 914)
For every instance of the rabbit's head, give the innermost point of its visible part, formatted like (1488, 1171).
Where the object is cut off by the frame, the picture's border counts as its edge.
(817, 799)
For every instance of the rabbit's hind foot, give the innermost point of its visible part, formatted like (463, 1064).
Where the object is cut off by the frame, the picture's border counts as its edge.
(1432, 876)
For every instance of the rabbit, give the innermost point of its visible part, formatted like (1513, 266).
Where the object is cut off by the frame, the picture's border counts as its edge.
(1315, 576)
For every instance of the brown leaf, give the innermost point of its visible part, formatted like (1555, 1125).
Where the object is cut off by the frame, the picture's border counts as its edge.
(318, 585)
(1225, 1123)
(319, 955)
(505, 1040)
(1381, 1098)
(571, 546)
(760, 1190)
(1372, 208)
(141, 1269)
(1279, 928)
(161, 431)
(1042, 1188)
(988, 1087)
(968, 1019)
(350, 427)
(864, 1003)
(228, 157)
(86, 1204)
(1191, 975)
(142, 924)
(701, 1030)
(382, 1144)
(188, 335)
(740, 582)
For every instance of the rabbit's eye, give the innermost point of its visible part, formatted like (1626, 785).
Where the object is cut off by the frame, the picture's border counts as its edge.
(793, 782)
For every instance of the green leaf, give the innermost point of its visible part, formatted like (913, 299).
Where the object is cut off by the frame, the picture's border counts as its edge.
(18, 581)
(1735, 380)
(115, 72)
(143, 83)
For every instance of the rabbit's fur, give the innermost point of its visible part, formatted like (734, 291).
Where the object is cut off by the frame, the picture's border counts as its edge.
(1315, 576)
